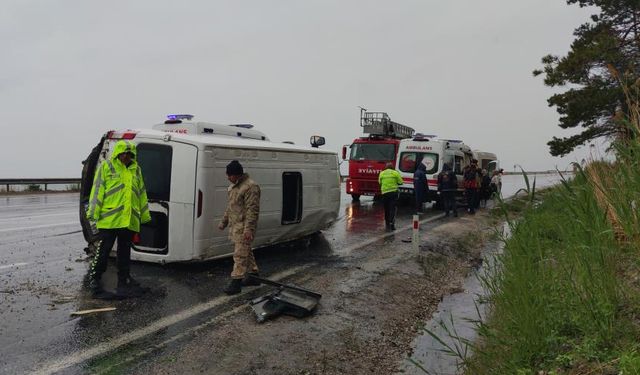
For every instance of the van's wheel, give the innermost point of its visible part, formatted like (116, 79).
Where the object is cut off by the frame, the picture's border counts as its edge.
(355, 197)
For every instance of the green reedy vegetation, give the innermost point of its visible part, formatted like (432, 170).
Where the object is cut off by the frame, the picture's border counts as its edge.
(565, 293)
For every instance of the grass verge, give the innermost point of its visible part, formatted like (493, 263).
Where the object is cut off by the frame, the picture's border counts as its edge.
(565, 294)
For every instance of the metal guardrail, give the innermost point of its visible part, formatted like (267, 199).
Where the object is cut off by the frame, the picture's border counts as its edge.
(38, 181)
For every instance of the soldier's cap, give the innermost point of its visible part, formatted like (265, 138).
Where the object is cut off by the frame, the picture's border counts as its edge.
(234, 168)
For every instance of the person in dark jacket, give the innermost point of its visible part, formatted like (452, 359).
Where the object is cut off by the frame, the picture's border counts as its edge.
(420, 186)
(447, 186)
(471, 186)
(485, 188)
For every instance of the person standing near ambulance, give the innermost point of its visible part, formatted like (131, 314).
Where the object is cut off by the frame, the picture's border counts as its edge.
(118, 205)
(420, 186)
(389, 180)
(241, 215)
(471, 182)
(448, 186)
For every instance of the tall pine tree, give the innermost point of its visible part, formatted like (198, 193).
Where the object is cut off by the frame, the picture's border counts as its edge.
(606, 50)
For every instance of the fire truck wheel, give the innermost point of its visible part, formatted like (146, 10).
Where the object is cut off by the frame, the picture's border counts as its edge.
(355, 197)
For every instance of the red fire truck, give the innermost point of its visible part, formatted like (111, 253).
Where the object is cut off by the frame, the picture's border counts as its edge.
(370, 153)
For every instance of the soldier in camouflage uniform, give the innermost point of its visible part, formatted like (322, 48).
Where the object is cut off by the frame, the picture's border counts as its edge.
(241, 216)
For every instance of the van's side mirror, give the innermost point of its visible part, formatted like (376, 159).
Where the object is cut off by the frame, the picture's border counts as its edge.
(344, 152)
(316, 141)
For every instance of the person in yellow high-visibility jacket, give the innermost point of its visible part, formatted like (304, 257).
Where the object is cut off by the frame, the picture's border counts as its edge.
(118, 205)
(390, 180)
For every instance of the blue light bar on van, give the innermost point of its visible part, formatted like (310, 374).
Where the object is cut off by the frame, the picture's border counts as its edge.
(180, 117)
(454, 140)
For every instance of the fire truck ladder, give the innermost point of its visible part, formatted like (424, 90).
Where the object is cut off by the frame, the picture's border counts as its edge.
(379, 123)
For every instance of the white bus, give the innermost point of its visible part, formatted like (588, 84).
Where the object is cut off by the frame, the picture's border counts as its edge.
(184, 162)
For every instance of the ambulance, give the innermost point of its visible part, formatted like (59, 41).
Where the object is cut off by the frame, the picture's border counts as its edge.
(433, 153)
(184, 162)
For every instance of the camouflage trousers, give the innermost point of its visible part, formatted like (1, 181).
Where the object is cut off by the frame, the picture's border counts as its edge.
(243, 260)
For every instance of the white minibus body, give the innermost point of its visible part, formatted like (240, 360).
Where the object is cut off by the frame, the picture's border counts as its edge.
(184, 167)
(486, 160)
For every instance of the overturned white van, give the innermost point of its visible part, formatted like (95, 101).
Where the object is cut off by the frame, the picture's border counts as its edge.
(183, 164)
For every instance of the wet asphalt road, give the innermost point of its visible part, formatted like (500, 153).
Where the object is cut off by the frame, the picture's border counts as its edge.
(43, 265)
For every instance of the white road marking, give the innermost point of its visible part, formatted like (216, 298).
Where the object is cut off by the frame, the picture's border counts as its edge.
(387, 234)
(39, 226)
(38, 216)
(105, 347)
(13, 265)
(100, 349)
(43, 205)
(171, 339)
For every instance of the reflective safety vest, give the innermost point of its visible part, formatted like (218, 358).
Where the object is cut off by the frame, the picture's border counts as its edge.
(118, 197)
(389, 180)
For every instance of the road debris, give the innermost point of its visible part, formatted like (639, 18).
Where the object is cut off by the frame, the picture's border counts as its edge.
(62, 299)
(85, 312)
(288, 299)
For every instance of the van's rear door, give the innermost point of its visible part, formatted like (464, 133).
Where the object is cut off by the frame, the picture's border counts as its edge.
(90, 232)
(169, 170)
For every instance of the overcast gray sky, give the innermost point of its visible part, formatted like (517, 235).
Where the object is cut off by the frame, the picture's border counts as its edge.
(70, 70)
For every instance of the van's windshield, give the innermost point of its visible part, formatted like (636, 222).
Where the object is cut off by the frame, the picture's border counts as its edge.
(155, 162)
(373, 151)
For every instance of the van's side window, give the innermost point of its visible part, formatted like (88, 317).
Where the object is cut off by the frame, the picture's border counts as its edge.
(155, 162)
(291, 197)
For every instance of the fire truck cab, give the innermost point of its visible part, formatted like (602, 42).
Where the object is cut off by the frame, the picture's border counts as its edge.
(369, 154)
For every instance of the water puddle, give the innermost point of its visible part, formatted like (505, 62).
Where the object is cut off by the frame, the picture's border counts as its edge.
(453, 322)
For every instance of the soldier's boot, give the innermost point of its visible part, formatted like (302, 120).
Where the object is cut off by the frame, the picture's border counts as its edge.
(234, 287)
(128, 287)
(250, 281)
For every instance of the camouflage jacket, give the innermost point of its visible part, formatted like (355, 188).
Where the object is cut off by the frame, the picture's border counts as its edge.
(243, 208)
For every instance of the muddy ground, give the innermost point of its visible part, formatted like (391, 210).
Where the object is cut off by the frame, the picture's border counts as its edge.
(374, 303)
